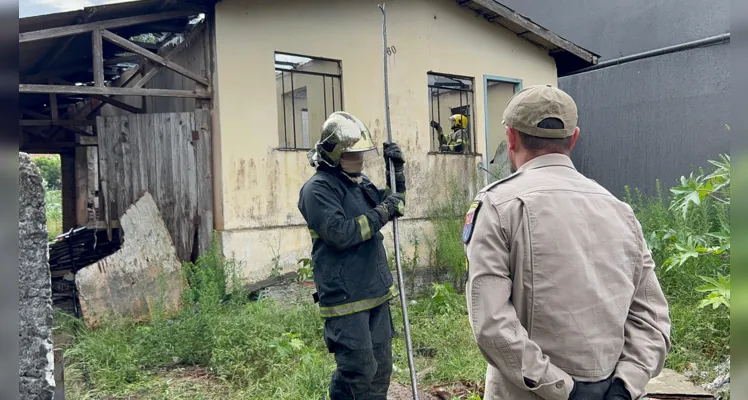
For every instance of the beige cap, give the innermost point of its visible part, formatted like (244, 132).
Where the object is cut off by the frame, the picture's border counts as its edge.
(531, 105)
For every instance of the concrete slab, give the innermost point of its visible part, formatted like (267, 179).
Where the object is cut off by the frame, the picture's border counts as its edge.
(672, 385)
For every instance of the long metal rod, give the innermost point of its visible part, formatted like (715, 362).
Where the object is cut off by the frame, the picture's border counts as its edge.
(395, 227)
(725, 37)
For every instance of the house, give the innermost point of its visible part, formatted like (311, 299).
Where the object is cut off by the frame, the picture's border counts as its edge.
(214, 106)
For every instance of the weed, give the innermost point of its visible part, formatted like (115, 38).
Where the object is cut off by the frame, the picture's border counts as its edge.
(305, 271)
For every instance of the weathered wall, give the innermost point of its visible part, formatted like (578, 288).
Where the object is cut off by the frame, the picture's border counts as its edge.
(36, 361)
(653, 118)
(261, 184)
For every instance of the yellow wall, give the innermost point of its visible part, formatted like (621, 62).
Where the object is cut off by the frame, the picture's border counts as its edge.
(262, 225)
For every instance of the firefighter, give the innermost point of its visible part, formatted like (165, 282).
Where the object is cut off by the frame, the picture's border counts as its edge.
(456, 141)
(345, 212)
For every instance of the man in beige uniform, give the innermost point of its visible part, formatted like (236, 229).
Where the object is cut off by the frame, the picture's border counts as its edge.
(562, 294)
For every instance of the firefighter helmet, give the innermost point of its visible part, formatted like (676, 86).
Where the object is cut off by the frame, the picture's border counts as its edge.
(341, 133)
(458, 121)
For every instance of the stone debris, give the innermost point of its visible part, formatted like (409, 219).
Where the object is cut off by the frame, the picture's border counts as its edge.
(36, 358)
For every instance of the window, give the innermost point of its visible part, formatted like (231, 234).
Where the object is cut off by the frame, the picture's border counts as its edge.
(451, 95)
(309, 90)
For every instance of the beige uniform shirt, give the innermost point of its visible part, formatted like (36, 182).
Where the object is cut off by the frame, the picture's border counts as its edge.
(561, 284)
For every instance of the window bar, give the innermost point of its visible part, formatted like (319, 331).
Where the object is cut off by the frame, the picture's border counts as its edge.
(324, 93)
(283, 99)
(332, 91)
(293, 111)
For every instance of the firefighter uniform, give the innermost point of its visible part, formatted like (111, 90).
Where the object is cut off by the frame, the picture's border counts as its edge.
(562, 293)
(456, 141)
(345, 212)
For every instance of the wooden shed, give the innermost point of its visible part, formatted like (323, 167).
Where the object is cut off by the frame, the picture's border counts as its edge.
(124, 93)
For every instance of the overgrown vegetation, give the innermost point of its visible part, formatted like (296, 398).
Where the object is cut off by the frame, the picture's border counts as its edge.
(50, 169)
(224, 345)
(231, 347)
(688, 232)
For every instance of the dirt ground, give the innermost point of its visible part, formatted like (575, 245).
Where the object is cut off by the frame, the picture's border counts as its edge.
(402, 392)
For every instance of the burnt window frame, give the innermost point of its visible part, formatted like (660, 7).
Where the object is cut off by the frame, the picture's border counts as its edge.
(285, 146)
(470, 103)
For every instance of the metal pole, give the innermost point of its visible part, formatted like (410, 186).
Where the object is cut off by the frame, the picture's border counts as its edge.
(725, 37)
(395, 228)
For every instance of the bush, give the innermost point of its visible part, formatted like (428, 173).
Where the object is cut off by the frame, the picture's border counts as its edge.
(687, 231)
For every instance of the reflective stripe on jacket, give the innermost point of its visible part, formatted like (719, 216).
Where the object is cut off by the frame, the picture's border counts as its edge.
(349, 260)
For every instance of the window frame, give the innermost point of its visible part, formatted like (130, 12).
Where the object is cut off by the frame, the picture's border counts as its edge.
(471, 103)
(291, 72)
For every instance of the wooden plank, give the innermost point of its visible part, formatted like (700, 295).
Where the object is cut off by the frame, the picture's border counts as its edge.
(53, 111)
(110, 24)
(98, 57)
(104, 173)
(528, 25)
(170, 55)
(60, 46)
(215, 131)
(81, 186)
(204, 175)
(59, 122)
(111, 91)
(67, 161)
(88, 140)
(128, 45)
(118, 104)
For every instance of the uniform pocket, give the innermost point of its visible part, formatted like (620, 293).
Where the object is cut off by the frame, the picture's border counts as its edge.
(334, 289)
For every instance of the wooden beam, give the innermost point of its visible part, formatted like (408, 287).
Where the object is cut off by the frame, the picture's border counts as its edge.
(53, 111)
(128, 45)
(112, 91)
(59, 122)
(32, 113)
(170, 54)
(60, 46)
(98, 58)
(517, 19)
(118, 104)
(110, 24)
(88, 140)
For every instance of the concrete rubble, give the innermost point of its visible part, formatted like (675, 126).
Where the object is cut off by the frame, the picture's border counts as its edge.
(36, 361)
(143, 275)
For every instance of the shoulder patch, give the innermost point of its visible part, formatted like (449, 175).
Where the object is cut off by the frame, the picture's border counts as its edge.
(467, 229)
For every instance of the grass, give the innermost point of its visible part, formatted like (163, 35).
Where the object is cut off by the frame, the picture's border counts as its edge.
(222, 345)
(53, 206)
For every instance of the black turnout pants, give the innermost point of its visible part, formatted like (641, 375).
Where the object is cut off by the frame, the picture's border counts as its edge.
(362, 344)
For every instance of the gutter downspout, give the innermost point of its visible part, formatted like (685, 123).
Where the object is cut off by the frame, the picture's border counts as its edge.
(723, 38)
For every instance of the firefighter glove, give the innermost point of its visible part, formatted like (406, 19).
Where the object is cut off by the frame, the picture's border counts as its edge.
(436, 125)
(393, 153)
(392, 206)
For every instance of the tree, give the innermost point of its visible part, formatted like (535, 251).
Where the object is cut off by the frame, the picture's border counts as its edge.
(50, 170)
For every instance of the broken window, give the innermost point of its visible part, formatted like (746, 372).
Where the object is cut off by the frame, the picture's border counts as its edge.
(309, 90)
(451, 112)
